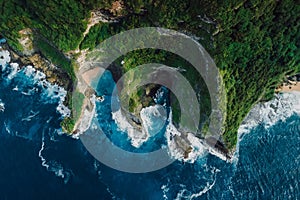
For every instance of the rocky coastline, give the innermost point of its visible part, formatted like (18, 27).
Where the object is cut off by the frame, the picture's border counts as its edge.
(213, 145)
(57, 76)
(53, 74)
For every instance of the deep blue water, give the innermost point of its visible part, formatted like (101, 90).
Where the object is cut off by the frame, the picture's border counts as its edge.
(267, 167)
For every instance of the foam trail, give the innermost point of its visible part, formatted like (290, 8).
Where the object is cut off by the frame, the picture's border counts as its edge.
(7, 128)
(205, 190)
(186, 194)
(283, 106)
(53, 165)
(165, 190)
(50, 118)
(32, 114)
(44, 162)
(2, 106)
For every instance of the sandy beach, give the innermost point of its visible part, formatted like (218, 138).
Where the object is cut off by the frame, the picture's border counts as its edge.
(289, 87)
(92, 74)
(85, 78)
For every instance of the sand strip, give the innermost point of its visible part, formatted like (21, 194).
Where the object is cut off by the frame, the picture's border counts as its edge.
(92, 74)
(295, 86)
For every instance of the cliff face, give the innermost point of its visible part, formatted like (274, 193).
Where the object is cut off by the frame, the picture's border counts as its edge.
(53, 74)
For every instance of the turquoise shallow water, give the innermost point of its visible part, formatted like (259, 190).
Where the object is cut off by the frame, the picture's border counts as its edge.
(38, 162)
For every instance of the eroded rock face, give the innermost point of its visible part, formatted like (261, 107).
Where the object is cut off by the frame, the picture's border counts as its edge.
(26, 40)
(117, 7)
(53, 74)
(136, 100)
(141, 98)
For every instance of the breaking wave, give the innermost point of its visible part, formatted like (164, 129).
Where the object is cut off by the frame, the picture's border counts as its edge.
(283, 106)
(2, 106)
(36, 79)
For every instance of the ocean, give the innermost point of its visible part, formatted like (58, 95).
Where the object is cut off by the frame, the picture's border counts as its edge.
(38, 161)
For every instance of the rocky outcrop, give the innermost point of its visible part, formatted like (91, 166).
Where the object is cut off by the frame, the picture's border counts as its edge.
(53, 74)
(26, 40)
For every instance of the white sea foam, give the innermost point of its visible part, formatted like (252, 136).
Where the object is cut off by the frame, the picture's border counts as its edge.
(153, 119)
(186, 194)
(15, 69)
(30, 116)
(15, 88)
(29, 71)
(205, 190)
(2, 106)
(198, 148)
(53, 91)
(179, 143)
(159, 95)
(165, 190)
(50, 118)
(267, 114)
(137, 137)
(53, 166)
(44, 163)
(28, 93)
(4, 59)
(7, 127)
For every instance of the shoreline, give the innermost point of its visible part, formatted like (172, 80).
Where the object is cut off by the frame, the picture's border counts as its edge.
(291, 87)
(85, 78)
(292, 83)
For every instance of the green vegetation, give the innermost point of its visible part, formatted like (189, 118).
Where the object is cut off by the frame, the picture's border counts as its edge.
(76, 101)
(254, 43)
(258, 44)
(97, 34)
(60, 21)
(68, 124)
(55, 56)
(13, 18)
(139, 98)
(58, 26)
